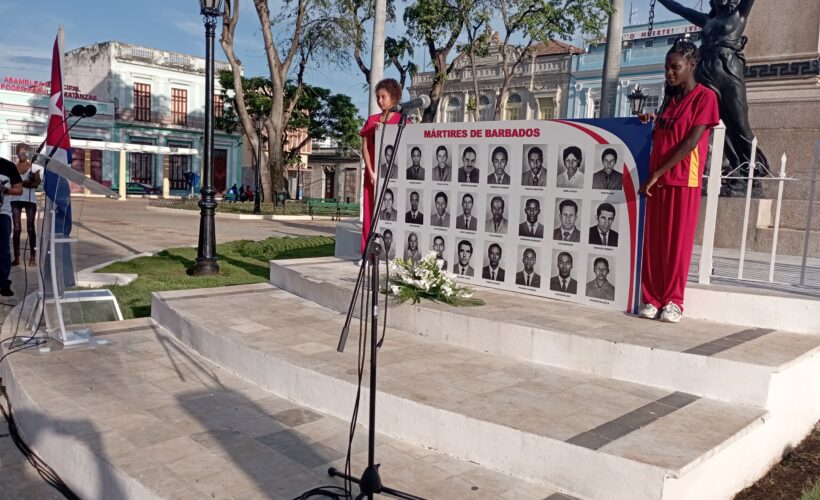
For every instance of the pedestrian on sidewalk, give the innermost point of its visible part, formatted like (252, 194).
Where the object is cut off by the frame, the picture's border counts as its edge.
(388, 94)
(680, 140)
(32, 176)
(10, 184)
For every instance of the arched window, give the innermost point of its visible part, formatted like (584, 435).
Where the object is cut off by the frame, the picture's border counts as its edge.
(485, 112)
(514, 108)
(454, 111)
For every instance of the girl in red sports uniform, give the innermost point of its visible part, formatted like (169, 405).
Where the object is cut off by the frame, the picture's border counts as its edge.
(680, 141)
(388, 94)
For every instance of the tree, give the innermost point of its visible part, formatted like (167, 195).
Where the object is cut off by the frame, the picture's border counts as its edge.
(354, 17)
(539, 21)
(397, 49)
(319, 111)
(436, 25)
(306, 31)
(476, 15)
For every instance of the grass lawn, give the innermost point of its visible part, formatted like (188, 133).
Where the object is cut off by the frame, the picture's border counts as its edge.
(240, 262)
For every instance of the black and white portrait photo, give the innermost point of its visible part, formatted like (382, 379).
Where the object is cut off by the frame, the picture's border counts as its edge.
(464, 255)
(492, 269)
(412, 249)
(468, 171)
(566, 215)
(386, 158)
(531, 226)
(441, 213)
(466, 220)
(527, 274)
(439, 245)
(496, 221)
(389, 245)
(414, 214)
(602, 233)
(415, 170)
(563, 281)
(599, 286)
(388, 212)
(534, 173)
(570, 168)
(498, 164)
(607, 176)
(442, 165)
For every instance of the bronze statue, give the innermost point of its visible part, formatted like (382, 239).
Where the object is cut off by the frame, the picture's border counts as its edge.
(721, 69)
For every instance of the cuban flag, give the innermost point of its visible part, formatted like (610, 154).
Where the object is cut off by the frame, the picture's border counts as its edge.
(58, 146)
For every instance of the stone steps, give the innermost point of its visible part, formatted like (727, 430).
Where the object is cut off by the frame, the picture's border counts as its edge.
(143, 417)
(592, 435)
(721, 361)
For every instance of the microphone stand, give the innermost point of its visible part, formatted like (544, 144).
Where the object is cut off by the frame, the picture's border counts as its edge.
(370, 482)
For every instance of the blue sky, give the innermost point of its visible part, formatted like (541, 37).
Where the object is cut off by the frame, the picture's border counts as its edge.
(170, 25)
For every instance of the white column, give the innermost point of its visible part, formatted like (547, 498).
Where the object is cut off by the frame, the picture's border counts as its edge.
(166, 183)
(122, 174)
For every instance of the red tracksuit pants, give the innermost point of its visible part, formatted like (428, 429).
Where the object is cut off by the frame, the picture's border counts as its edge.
(367, 211)
(669, 233)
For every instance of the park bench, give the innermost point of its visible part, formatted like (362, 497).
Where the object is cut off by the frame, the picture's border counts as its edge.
(336, 210)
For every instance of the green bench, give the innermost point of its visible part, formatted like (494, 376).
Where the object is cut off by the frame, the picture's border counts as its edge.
(334, 209)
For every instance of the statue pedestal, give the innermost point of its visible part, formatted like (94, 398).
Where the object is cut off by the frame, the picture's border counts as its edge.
(783, 86)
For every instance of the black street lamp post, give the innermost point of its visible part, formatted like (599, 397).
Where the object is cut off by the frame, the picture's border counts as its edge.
(206, 247)
(260, 122)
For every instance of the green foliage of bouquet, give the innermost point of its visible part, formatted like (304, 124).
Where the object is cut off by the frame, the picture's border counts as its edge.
(425, 279)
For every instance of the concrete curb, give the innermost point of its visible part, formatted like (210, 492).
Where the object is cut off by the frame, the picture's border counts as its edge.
(91, 279)
(243, 216)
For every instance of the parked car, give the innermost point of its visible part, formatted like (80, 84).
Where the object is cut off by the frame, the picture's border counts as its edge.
(139, 188)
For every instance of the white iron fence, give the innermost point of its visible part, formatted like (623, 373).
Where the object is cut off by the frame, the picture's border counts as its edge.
(734, 265)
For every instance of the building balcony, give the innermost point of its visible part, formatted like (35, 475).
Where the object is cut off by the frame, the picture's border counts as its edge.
(163, 119)
(629, 58)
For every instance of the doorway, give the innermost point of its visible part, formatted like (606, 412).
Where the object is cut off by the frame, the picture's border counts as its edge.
(330, 183)
(220, 170)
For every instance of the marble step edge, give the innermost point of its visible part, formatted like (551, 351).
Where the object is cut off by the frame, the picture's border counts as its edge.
(707, 376)
(334, 396)
(82, 468)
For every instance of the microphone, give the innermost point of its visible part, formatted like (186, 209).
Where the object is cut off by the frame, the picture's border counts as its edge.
(86, 111)
(79, 111)
(420, 102)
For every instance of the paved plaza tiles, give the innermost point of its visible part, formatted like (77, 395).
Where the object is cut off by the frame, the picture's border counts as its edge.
(183, 428)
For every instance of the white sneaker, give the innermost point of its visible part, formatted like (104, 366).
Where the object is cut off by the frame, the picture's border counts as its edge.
(648, 311)
(671, 313)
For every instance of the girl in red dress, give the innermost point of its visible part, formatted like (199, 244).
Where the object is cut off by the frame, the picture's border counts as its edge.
(680, 141)
(388, 94)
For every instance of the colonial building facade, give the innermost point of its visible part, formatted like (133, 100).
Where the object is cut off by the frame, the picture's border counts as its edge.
(159, 99)
(144, 96)
(537, 89)
(642, 63)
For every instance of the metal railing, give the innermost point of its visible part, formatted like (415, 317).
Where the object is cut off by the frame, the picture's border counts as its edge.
(779, 276)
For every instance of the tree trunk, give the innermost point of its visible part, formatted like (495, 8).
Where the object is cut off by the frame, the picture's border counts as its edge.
(436, 92)
(612, 60)
(377, 53)
(477, 97)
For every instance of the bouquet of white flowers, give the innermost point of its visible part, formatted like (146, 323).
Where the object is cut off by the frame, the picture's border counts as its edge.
(412, 280)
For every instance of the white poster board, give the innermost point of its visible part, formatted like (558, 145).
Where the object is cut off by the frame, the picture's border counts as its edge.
(470, 192)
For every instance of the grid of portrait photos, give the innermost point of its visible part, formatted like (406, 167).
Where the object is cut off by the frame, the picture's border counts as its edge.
(544, 216)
